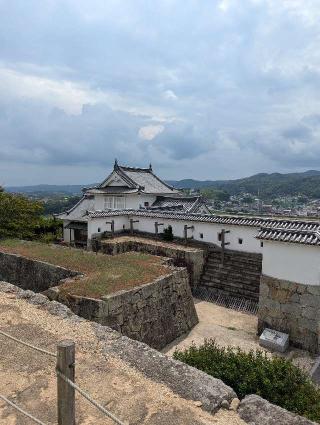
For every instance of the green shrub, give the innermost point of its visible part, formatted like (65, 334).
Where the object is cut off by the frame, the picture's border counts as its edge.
(275, 379)
(168, 234)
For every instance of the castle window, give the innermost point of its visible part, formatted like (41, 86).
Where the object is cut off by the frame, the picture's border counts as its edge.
(201, 235)
(119, 203)
(99, 229)
(146, 204)
(261, 244)
(219, 236)
(108, 202)
(240, 240)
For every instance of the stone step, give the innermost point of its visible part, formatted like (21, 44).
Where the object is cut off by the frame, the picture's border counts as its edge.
(234, 262)
(232, 277)
(229, 270)
(249, 288)
(234, 291)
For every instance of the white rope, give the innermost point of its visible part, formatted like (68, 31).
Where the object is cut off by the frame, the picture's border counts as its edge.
(87, 396)
(21, 410)
(41, 350)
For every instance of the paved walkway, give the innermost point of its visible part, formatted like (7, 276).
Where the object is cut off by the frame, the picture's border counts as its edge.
(28, 378)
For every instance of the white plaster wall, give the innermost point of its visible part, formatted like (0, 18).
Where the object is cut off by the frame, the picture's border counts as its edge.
(294, 262)
(96, 223)
(66, 232)
(209, 231)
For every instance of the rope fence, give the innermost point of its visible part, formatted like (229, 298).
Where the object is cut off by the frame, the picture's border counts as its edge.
(28, 415)
(65, 371)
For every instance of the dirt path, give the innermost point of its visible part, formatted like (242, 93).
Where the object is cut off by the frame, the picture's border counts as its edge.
(231, 328)
(28, 378)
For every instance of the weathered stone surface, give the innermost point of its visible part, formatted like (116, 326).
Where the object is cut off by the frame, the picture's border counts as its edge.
(291, 308)
(184, 380)
(30, 274)
(256, 411)
(238, 276)
(156, 313)
(192, 259)
(315, 372)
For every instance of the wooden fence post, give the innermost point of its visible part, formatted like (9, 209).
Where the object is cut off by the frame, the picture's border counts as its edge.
(66, 394)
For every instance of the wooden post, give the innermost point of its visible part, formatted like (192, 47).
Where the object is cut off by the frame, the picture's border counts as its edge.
(185, 234)
(66, 394)
(131, 225)
(223, 243)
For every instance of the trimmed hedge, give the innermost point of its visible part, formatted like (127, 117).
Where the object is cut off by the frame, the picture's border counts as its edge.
(275, 379)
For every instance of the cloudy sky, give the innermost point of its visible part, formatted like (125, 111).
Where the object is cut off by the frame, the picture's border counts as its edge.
(202, 89)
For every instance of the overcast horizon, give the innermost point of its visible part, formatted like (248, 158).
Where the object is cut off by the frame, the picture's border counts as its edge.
(209, 90)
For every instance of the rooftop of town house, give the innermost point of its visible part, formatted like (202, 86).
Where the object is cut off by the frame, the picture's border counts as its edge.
(125, 179)
(102, 274)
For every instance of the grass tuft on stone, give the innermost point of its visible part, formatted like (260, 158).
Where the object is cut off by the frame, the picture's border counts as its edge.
(104, 274)
(276, 379)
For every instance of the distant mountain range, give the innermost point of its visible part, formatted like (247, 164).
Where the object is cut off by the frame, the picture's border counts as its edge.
(263, 184)
(44, 189)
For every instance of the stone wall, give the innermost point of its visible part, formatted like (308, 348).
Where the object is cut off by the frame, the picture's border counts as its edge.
(156, 313)
(292, 308)
(191, 258)
(31, 274)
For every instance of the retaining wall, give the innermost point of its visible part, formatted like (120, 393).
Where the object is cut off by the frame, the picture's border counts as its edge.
(292, 308)
(191, 258)
(30, 274)
(156, 313)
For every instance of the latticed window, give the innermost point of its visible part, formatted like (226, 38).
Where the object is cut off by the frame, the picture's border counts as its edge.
(119, 203)
(108, 202)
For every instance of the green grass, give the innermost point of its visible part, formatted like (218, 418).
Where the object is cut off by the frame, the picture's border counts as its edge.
(104, 274)
(275, 379)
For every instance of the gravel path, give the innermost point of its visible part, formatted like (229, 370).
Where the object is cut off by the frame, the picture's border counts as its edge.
(231, 328)
(28, 378)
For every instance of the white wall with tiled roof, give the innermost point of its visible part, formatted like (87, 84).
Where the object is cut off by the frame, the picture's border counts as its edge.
(208, 231)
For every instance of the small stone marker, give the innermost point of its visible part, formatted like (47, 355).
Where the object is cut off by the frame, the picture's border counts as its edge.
(274, 340)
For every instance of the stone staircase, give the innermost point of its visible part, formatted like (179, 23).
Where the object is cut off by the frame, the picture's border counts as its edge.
(237, 277)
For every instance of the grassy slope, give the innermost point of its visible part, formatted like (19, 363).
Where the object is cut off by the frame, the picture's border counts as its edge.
(103, 274)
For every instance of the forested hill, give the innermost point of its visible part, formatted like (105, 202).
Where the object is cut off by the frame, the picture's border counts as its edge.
(267, 185)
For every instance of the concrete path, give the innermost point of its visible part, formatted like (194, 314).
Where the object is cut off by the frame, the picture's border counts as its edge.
(28, 377)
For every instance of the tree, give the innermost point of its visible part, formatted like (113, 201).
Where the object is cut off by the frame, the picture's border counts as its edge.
(19, 216)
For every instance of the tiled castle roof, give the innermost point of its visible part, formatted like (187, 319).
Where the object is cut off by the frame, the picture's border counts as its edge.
(280, 230)
(188, 204)
(308, 237)
(140, 179)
